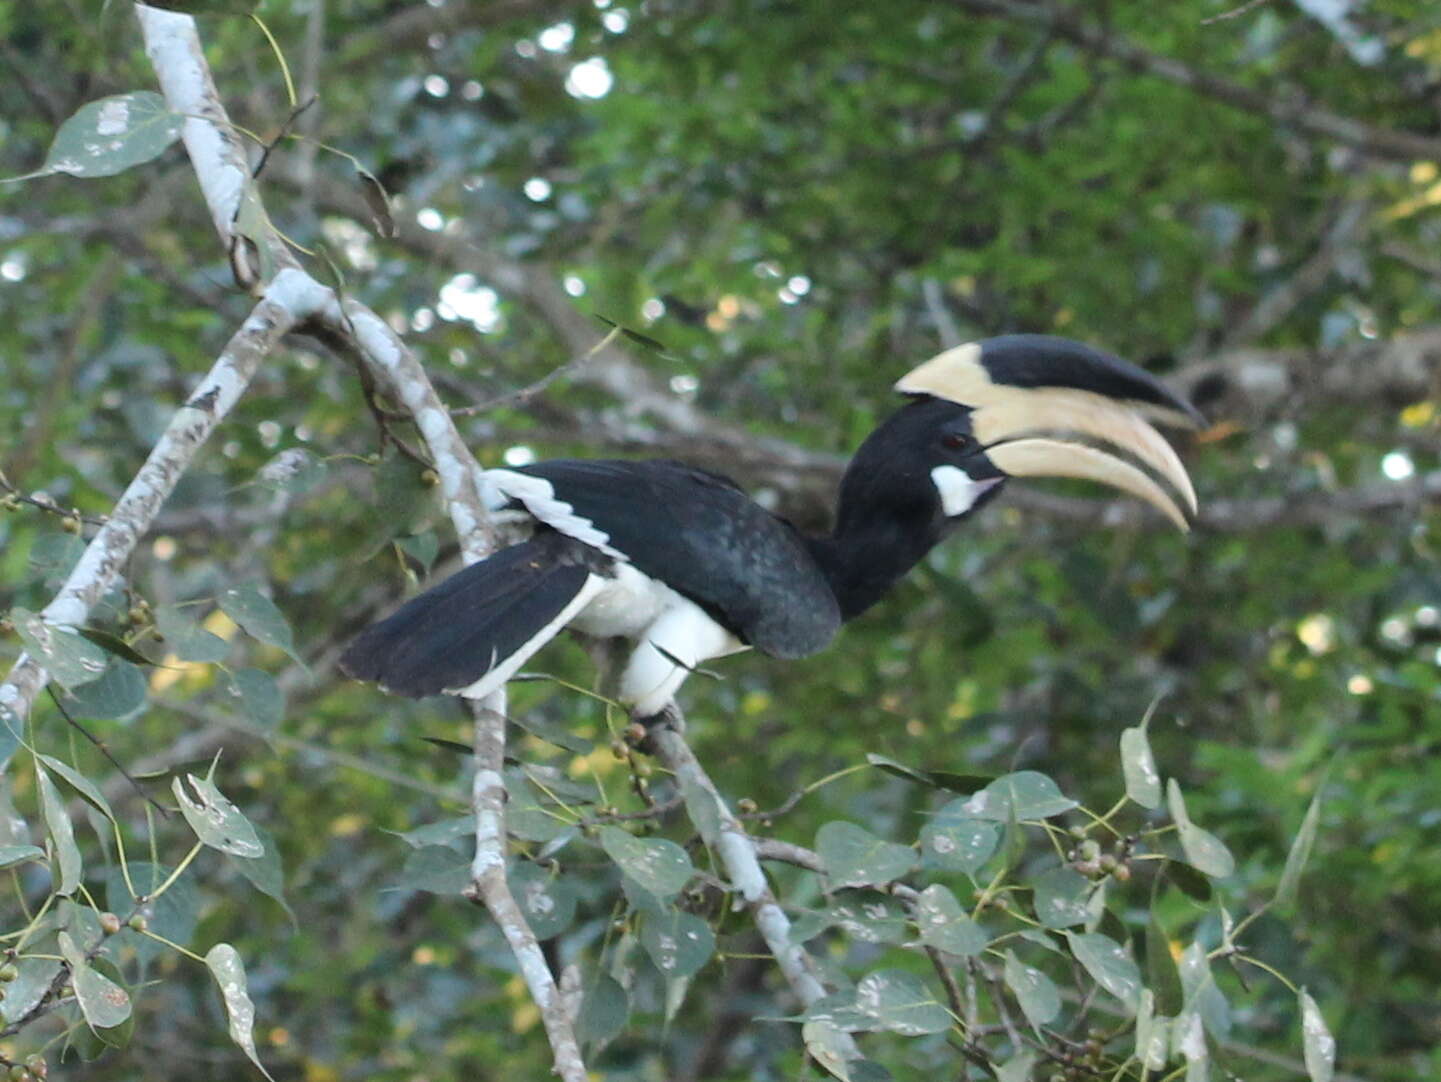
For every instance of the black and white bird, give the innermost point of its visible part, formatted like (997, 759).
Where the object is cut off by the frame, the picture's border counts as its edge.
(680, 561)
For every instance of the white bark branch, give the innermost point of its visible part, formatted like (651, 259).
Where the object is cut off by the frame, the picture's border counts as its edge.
(174, 48)
(284, 303)
(490, 888)
(723, 832)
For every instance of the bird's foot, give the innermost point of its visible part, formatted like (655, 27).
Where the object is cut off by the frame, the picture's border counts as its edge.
(643, 727)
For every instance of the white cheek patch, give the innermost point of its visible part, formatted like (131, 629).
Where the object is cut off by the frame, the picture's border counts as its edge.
(958, 492)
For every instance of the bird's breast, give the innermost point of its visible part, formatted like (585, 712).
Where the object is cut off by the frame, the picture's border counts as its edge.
(626, 605)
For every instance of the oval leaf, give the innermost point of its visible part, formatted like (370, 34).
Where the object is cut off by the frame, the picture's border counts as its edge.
(11, 855)
(828, 1046)
(1108, 964)
(660, 866)
(603, 1011)
(853, 856)
(1138, 765)
(186, 639)
(103, 1002)
(119, 693)
(678, 943)
(260, 697)
(1299, 853)
(1060, 898)
(1317, 1044)
(228, 970)
(901, 1002)
(1204, 851)
(70, 658)
(216, 821)
(257, 614)
(1034, 991)
(548, 901)
(110, 135)
(1026, 794)
(945, 925)
(957, 843)
(62, 834)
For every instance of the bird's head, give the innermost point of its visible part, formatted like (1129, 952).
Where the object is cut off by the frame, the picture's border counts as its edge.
(1030, 405)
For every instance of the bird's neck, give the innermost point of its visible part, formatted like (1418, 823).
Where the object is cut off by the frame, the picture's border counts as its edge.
(867, 554)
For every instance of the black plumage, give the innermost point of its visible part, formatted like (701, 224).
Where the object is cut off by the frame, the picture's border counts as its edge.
(687, 566)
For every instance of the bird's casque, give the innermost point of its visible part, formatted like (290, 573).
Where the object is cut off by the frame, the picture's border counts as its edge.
(682, 563)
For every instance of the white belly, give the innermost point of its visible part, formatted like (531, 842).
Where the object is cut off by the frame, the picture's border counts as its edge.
(673, 635)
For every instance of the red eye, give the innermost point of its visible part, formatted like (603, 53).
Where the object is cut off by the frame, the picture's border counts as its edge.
(956, 441)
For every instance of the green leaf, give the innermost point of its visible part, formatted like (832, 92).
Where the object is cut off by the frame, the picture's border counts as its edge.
(933, 779)
(945, 925)
(117, 695)
(1204, 851)
(1200, 993)
(436, 869)
(70, 658)
(258, 616)
(659, 866)
(853, 856)
(1138, 765)
(828, 1046)
(1317, 1044)
(1034, 991)
(186, 639)
(1108, 964)
(901, 1002)
(1017, 1068)
(261, 699)
(112, 134)
(225, 966)
(1299, 853)
(529, 814)
(547, 900)
(1153, 1034)
(81, 784)
(678, 943)
(216, 821)
(265, 872)
(11, 855)
(954, 842)
(62, 834)
(29, 988)
(603, 1011)
(440, 832)
(1060, 897)
(103, 1002)
(1031, 794)
(1191, 882)
(1161, 972)
(870, 916)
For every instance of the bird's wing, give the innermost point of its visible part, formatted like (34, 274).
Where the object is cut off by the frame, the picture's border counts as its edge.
(696, 532)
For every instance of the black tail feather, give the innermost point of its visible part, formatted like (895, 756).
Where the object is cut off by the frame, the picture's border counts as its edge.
(473, 622)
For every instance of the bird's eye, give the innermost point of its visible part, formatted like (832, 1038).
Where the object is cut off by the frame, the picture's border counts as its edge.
(956, 441)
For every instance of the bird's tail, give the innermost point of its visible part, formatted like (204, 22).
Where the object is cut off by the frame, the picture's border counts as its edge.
(472, 632)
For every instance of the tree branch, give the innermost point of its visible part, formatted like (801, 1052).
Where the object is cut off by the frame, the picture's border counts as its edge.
(1286, 108)
(286, 301)
(174, 48)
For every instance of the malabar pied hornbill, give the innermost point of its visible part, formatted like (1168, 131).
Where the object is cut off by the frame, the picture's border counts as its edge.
(683, 563)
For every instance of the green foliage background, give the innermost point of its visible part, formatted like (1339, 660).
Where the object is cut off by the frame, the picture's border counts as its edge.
(812, 191)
